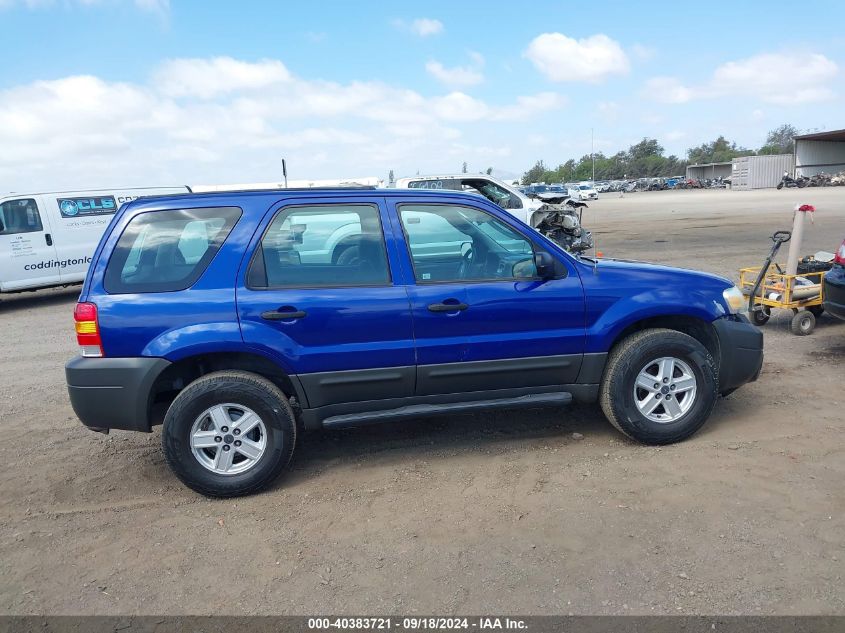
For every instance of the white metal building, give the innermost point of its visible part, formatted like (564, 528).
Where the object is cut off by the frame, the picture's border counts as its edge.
(820, 152)
(760, 172)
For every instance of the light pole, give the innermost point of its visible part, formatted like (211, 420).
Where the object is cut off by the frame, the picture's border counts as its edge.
(592, 153)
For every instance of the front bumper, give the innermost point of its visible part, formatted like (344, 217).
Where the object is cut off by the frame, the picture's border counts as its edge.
(741, 352)
(834, 291)
(113, 393)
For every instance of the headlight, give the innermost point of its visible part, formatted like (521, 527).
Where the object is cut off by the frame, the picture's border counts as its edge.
(735, 300)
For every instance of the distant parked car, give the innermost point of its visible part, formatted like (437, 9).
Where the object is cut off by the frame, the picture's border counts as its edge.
(834, 285)
(583, 192)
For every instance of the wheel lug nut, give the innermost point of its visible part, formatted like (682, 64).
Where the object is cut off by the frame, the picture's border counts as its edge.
(237, 431)
(665, 380)
(237, 442)
(668, 396)
(225, 429)
(226, 447)
(217, 438)
(672, 387)
(657, 396)
(657, 385)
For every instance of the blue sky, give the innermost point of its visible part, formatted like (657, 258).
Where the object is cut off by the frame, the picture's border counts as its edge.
(107, 92)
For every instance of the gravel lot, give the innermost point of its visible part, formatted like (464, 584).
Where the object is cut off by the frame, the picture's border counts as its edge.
(533, 512)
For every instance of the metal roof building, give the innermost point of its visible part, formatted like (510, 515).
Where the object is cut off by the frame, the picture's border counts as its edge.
(709, 170)
(820, 152)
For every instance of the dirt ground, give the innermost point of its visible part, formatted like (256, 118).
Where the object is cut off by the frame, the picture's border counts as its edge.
(503, 512)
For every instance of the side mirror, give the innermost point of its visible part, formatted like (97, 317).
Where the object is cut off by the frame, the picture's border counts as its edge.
(545, 265)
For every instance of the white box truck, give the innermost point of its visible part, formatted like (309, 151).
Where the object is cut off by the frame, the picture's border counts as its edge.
(48, 239)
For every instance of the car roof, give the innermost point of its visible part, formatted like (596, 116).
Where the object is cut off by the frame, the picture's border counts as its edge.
(306, 192)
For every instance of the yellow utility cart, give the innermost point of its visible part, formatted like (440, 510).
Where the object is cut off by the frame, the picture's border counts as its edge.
(769, 287)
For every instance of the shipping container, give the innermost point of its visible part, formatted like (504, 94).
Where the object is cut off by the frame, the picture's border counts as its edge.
(760, 172)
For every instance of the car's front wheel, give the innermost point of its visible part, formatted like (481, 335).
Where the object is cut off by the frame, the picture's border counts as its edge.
(659, 386)
(229, 433)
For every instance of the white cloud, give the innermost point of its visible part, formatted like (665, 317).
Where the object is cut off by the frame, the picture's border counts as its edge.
(778, 78)
(562, 58)
(784, 79)
(422, 27)
(227, 120)
(667, 90)
(426, 26)
(455, 76)
(458, 106)
(529, 106)
(210, 77)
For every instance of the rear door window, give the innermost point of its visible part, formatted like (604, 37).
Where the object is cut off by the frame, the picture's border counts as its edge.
(164, 251)
(333, 245)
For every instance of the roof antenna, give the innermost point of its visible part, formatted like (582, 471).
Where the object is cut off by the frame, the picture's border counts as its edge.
(285, 172)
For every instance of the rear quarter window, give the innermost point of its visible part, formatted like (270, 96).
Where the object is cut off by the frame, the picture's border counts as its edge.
(166, 251)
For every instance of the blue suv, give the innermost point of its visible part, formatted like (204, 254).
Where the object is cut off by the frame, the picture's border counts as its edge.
(238, 319)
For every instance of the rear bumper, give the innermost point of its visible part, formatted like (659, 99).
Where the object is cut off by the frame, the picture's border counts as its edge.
(741, 351)
(113, 393)
(834, 291)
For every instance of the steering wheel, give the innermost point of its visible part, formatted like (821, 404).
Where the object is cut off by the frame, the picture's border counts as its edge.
(465, 269)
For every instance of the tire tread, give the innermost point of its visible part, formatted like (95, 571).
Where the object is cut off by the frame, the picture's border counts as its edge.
(249, 382)
(619, 362)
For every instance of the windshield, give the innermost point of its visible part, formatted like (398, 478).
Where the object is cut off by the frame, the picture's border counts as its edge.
(584, 187)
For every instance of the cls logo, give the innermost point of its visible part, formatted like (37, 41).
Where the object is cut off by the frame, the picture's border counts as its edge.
(71, 207)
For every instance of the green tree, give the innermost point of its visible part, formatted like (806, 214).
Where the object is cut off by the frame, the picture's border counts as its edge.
(718, 151)
(780, 140)
(645, 148)
(464, 168)
(535, 174)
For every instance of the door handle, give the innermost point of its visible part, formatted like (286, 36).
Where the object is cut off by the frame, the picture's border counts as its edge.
(275, 315)
(49, 239)
(447, 307)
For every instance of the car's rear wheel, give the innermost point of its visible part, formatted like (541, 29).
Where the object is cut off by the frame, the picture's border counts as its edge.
(659, 386)
(229, 433)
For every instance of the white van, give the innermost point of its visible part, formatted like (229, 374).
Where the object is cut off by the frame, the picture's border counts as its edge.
(48, 239)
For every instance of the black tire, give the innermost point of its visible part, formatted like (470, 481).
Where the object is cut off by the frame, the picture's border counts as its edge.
(628, 358)
(761, 317)
(780, 185)
(803, 323)
(242, 388)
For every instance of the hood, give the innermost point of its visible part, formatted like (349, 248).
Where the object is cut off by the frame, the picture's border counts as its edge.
(631, 267)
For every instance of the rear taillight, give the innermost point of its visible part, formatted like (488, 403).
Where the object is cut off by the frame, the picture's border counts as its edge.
(839, 258)
(87, 330)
